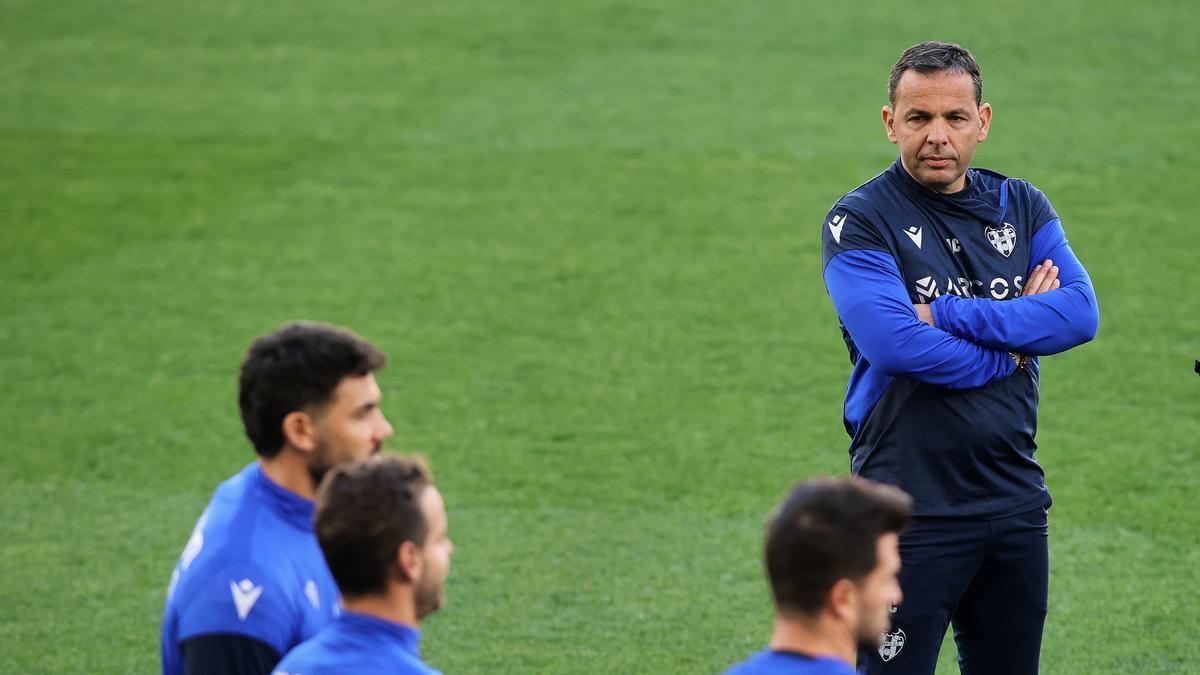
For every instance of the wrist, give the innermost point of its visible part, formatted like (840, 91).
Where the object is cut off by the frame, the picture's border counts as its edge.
(935, 312)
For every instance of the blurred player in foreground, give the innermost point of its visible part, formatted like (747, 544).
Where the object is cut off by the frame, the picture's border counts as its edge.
(382, 526)
(832, 555)
(251, 582)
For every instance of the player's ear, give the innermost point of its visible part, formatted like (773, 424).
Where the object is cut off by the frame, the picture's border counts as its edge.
(889, 122)
(410, 561)
(985, 121)
(300, 431)
(843, 600)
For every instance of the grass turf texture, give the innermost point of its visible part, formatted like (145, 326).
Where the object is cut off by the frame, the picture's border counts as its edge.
(587, 237)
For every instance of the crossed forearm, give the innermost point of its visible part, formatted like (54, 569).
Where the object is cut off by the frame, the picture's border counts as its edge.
(1043, 279)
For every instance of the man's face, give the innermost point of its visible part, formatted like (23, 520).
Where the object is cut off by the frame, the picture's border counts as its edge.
(937, 125)
(350, 426)
(435, 553)
(878, 592)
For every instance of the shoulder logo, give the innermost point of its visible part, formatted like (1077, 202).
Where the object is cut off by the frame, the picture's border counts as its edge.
(914, 233)
(195, 542)
(314, 597)
(245, 594)
(1003, 238)
(835, 227)
(891, 645)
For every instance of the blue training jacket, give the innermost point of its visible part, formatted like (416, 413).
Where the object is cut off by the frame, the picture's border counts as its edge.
(943, 412)
(252, 568)
(360, 644)
(771, 662)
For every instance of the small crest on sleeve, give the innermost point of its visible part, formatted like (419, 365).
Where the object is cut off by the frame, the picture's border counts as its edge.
(245, 594)
(313, 595)
(835, 226)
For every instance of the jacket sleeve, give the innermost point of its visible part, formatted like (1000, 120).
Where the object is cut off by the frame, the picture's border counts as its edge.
(1047, 323)
(227, 654)
(869, 295)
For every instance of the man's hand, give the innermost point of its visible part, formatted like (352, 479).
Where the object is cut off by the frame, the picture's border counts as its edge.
(1043, 278)
(924, 313)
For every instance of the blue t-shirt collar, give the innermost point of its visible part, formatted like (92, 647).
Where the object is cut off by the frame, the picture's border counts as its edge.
(290, 506)
(405, 637)
(976, 198)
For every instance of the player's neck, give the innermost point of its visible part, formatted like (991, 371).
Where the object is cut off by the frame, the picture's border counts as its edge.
(396, 606)
(963, 182)
(820, 636)
(288, 470)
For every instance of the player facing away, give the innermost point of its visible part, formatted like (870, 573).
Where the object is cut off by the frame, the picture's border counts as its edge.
(251, 582)
(382, 526)
(949, 282)
(831, 557)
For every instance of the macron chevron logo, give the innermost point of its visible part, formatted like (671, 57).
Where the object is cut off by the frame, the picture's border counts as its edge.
(314, 597)
(245, 594)
(914, 233)
(835, 227)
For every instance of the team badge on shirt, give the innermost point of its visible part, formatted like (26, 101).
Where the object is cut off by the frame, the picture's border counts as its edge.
(1004, 238)
(892, 644)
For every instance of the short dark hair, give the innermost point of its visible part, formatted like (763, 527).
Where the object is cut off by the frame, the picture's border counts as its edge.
(825, 530)
(931, 57)
(365, 510)
(297, 367)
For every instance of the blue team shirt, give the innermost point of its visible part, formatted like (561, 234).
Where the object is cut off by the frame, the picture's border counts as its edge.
(771, 662)
(357, 643)
(943, 412)
(252, 567)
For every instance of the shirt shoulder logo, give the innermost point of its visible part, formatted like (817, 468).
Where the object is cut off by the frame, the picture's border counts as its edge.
(314, 597)
(914, 233)
(245, 594)
(835, 227)
(174, 582)
(195, 543)
(1003, 238)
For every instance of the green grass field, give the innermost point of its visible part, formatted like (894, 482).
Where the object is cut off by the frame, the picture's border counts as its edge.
(587, 235)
